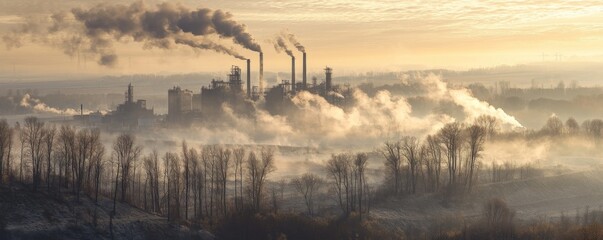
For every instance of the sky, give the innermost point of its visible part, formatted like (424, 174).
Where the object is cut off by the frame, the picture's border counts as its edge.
(351, 36)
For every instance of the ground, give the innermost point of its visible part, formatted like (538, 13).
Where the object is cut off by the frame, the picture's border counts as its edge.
(536, 198)
(29, 215)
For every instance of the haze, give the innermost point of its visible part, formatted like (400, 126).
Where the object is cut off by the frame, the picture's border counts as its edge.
(352, 36)
(301, 119)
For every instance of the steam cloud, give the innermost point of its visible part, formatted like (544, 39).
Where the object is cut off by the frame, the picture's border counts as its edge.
(95, 30)
(472, 106)
(281, 46)
(293, 40)
(38, 106)
(315, 122)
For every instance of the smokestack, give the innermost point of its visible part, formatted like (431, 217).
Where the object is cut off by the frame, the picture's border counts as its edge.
(293, 74)
(248, 78)
(328, 73)
(130, 94)
(304, 71)
(261, 73)
(82, 110)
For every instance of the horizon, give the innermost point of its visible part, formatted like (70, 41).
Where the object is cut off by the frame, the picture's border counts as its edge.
(377, 36)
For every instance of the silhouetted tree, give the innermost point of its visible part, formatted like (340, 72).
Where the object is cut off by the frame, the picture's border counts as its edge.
(360, 179)
(339, 169)
(49, 139)
(34, 137)
(392, 152)
(489, 123)
(6, 139)
(553, 126)
(126, 152)
(572, 126)
(151, 165)
(411, 152)
(257, 172)
(307, 185)
(67, 153)
(433, 161)
(452, 139)
(223, 163)
(476, 139)
(239, 158)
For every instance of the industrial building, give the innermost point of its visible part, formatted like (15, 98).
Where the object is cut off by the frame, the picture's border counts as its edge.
(131, 114)
(185, 106)
(180, 103)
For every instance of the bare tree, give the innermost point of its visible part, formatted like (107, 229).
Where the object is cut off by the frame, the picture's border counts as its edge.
(497, 214)
(22, 141)
(476, 139)
(207, 160)
(359, 169)
(49, 135)
(126, 152)
(151, 165)
(572, 126)
(223, 163)
(196, 181)
(67, 153)
(433, 161)
(307, 185)
(553, 126)
(392, 152)
(451, 137)
(257, 172)
(88, 145)
(34, 137)
(239, 158)
(277, 194)
(187, 173)
(113, 211)
(5, 145)
(489, 123)
(411, 152)
(172, 163)
(339, 168)
(594, 129)
(97, 162)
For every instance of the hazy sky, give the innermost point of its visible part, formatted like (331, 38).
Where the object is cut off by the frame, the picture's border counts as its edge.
(350, 36)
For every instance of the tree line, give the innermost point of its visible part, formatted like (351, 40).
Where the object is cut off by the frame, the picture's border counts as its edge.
(449, 159)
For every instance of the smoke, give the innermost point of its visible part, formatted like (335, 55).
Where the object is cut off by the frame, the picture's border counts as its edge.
(472, 107)
(96, 30)
(209, 45)
(293, 40)
(281, 46)
(38, 106)
(227, 27)
(363, 124)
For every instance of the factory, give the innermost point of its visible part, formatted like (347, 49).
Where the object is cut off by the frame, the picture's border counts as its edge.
(185, 106)
(208, 103)
(130, 114)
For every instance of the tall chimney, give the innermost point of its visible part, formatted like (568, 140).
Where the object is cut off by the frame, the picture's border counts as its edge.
(328, 74)
(248, 78)
(293, 74)
(304, 72)
(130, 94)
(261, 85)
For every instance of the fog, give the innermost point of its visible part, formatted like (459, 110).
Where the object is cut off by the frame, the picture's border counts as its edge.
(532, 148)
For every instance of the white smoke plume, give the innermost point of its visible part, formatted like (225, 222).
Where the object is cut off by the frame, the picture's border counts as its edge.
(38, 106)
(366, 124)
(472, 107)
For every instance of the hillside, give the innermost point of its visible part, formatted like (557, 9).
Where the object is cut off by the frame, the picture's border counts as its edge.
(28, 215)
